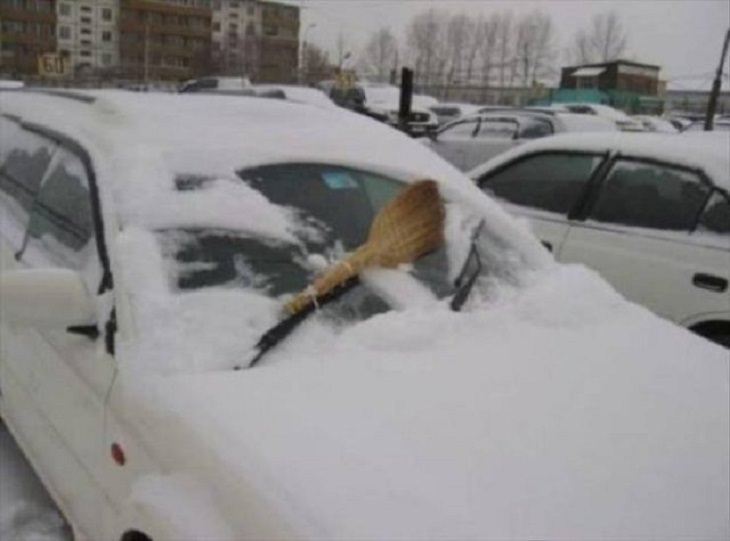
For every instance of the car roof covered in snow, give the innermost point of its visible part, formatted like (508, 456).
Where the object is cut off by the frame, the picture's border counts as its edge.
(711, 154)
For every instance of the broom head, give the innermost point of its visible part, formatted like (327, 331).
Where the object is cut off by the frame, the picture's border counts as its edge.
(409, 226)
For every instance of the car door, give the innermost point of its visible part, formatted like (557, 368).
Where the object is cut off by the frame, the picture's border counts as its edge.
(54, 381)
(546, 188)
(639, 234)
(451, 142)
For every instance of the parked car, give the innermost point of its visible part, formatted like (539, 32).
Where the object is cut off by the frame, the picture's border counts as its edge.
(471, 141)
(652, 215)
(447, 112)
(215, 83)
(623, 121)
(480, 392)
(384, 100)
(300, 94)
(656, 124)
(718, 124)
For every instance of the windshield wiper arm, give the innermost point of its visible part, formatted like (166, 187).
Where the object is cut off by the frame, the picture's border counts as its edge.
(464, 283)
(281, 330)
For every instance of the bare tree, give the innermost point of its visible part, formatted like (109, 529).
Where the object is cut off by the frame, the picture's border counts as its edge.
(459, 32)
(605, 40)
(504, 43)
(380, 55)
(425, 38)
(316, 64)
(535, 47)
(490, 52)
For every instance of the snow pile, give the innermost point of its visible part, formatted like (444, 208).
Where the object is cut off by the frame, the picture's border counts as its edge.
(26, 511)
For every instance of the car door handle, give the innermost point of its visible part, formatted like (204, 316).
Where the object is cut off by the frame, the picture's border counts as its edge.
(547, 245)
(708, 281)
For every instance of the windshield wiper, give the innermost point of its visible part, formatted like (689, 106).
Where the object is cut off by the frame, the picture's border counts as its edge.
(281, 330)
(465, 281)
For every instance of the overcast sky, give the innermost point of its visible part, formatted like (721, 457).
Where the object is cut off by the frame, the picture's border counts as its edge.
(683, 36)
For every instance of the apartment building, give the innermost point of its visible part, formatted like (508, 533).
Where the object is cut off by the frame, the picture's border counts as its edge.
(279, 42)
(164, 39)
(27, 30)
(236, 37)
(87, 33)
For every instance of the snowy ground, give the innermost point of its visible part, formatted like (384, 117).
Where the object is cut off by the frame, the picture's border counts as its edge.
(26, 511)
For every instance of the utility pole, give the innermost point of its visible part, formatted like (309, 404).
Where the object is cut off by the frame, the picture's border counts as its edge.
(712, 103)
(146, 54)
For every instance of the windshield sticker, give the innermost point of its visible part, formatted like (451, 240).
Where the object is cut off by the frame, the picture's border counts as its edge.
(339, 180)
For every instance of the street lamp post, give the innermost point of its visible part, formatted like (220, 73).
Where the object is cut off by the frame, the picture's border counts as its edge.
(303, 51)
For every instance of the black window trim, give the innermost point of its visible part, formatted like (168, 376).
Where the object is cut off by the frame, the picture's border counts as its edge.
(477, 124)
(63, 141)
(618, 156)
(578, 209)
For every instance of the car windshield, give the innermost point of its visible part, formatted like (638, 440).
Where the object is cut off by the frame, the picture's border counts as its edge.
(332, 207)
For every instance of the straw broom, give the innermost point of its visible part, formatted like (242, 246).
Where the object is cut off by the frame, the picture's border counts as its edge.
(409, 226)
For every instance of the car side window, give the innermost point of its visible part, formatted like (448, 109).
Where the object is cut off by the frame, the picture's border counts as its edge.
(716, 216)
(24, 159)
(552, 182)
(61, 227)
(460, 130)
(650, 195)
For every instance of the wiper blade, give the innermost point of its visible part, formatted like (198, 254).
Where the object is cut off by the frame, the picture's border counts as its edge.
(281, 330)
(465, 281)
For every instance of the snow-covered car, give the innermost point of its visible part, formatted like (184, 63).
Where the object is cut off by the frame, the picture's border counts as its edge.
(481, 391)
(651, 214)
(471, 141)
(213, 83)
(447, 111)
(623, 121)
(384, 100)
(655, 124)
(720, 125)
(300, 94)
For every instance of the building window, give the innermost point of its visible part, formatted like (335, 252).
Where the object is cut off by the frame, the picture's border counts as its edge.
(216, 27)
(64, 32)
(234, 4)
(85, 53)
(64, 9)
(106, 36)
(86, 30)
(86, 20)
(85, 8)
(106, 14)
(106, 59)
(86, 42)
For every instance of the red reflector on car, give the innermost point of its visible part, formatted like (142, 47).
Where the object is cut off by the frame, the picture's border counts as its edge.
(118, 454)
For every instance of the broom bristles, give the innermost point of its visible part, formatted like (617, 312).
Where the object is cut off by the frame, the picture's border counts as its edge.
(409, 226)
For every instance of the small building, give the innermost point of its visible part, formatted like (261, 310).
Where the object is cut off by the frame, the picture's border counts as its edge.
(624, 84)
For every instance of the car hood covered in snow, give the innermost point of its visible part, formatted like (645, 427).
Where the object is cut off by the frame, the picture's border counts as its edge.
(554, 411)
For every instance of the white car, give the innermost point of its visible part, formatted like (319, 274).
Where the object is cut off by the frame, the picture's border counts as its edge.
(651, 214)
(447, 111)
(299, 94)
(655, 124)
(384, 100)
(150, 244)
(623, 121)
(471, 141)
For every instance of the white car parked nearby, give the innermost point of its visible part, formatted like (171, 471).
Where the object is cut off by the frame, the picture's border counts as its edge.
(623, 121)
(448, 112)
(471, 141)
(651, 214)
(384, 100)
(150, 243)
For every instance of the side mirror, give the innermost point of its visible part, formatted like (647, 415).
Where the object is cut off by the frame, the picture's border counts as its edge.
(45, 298)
